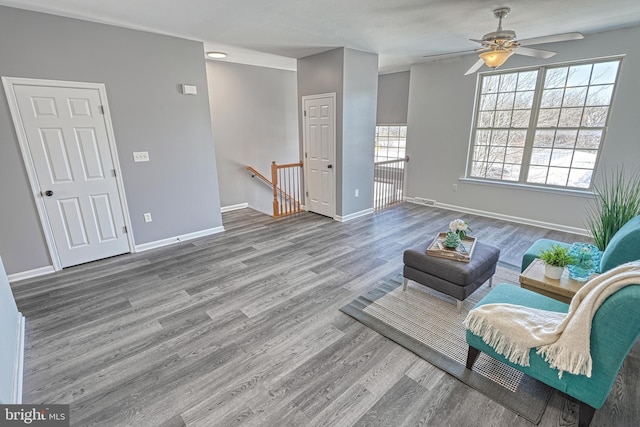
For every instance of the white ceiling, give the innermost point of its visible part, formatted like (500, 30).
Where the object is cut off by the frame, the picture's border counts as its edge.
(276, 32)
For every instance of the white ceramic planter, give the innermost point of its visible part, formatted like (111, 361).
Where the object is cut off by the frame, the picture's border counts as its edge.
(553, 272)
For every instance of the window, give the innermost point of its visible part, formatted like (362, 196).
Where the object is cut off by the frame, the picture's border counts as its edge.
(390, 142)
(542, 126)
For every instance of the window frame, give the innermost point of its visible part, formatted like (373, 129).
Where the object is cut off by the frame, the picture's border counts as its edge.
(533, 126)
(399, 138)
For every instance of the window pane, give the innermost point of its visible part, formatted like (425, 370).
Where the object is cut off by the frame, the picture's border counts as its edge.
(483, 137)
(490, 84)
(544, 138)
(503, 119)
(574, 97)
(552, 98)
(488, 101)
(556, 77)
(600, 95)
(508, 82)
(527, 80)
(566, 138)
(511, 173)
(523, 100)
(537, 174)
(505, 101)
(557, 176)
(478, 169)
(584, 159)
(521, 118)
(514, 155)
(589, 139)
(595, 116)
(548, 118)
(604, 72)
(561, 157)
(579, 178)
(570, 117)
(485, 119)
(540, 156)
(579, 75)
(517, 138)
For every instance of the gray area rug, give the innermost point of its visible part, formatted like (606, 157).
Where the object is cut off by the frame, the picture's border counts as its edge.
(428, 323)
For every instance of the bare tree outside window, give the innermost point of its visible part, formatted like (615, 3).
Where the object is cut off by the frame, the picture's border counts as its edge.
(542, 126)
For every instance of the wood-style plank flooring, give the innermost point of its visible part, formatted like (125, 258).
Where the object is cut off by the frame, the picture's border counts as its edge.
(243, 328)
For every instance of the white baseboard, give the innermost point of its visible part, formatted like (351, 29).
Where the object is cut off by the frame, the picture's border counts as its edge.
(31, 273)
(519, 220)
(177, 239)
(18, 368)
(234, 207)
(353, 215)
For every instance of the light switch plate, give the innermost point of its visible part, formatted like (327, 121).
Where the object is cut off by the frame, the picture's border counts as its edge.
(140, 156)
(189, 89)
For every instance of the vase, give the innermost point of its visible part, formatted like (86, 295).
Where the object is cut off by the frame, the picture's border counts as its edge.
(452, 241)
(553, 271)
(586, 261)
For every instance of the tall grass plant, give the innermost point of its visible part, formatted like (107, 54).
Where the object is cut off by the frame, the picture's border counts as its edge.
(617, 201)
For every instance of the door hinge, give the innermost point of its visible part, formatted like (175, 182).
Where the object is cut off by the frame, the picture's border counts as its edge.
(305, 155)
(124, 229)
(307, 193)
(305, 113)
(101, 109)
(113, 172)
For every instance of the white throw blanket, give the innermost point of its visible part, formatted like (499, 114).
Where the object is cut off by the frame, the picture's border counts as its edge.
(563, 339)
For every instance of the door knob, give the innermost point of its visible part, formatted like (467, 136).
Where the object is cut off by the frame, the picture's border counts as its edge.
(329, 166)
(48, 193)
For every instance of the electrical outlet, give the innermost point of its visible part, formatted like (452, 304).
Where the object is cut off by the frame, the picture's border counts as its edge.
(455, 187)
(140, 156)
(147, 217)
(357, 192)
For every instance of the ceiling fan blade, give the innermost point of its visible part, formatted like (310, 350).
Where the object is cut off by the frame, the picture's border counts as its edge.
(475, 67)
(536, 53)
(438, 57)
(551, 39)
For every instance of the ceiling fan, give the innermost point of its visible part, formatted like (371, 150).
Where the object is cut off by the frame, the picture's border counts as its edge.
(499, 45)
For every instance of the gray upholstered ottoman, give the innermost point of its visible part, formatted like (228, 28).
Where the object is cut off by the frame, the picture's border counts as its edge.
(454, 278)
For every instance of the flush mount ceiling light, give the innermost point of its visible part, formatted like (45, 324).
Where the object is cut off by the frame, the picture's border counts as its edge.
(216, 55)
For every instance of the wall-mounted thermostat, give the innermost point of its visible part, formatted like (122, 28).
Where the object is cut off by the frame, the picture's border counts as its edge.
(189, 89)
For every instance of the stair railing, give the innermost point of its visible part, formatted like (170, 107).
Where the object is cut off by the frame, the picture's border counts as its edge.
(388, 183)
(286, 181)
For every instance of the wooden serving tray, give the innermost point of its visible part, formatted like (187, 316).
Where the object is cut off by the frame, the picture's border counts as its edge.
(463, 252)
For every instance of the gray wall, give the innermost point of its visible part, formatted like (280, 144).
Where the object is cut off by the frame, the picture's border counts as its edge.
(323, 73)
(393, 98)
(9, 321)
(441, 103)
(142, 72)
(255, 121)
(352, 75)
(359, 127)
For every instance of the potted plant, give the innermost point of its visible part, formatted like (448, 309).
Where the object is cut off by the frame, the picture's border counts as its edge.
(555, 259)
(617, 201)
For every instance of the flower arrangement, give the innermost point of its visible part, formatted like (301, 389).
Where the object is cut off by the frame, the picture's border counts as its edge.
(459, 227)
(457, 231)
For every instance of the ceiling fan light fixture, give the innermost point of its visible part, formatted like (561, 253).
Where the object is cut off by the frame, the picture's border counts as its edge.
(495, 58)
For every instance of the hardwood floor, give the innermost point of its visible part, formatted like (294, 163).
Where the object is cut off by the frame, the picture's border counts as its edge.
(243, 328)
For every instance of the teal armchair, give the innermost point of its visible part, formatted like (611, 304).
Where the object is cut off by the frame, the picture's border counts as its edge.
(623, 247)
(615, 328)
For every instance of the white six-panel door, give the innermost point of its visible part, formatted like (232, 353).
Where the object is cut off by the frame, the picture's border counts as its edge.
(68, 147)
(319, 162)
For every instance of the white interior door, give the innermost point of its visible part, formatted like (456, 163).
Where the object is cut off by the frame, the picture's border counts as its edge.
(320, 147)
(67, 144)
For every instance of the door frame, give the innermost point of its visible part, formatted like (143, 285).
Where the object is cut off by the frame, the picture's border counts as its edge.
(9, 83)
(304, 146)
